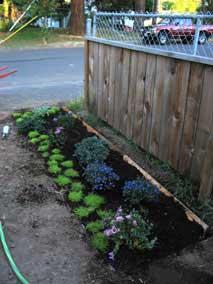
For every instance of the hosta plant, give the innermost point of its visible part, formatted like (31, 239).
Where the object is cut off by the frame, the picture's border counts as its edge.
(90, 150)
(100, 176)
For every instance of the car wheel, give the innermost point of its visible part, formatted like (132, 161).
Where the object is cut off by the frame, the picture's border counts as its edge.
(202, 38)
(163, 38)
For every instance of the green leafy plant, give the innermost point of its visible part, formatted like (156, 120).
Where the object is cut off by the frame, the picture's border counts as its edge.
(130, 229)
(45, 155)
(77, 186)
(71, 173)
(76, 105)
(16, 114)
(27, 114)
(44, 142)
(56, 151)
(19, 121)
(95, 227)
(43, 148)
(53, 110)
(75, 196)
(62, 180)
(34, 141)
(33, 134)
(100, 242)
(67, 164)
(94, 200)
(103, 214)
(52, 163)
(83, 212)
(57, 157)
(54, 169)
(44, 137)
(33, 123)
(90, 150)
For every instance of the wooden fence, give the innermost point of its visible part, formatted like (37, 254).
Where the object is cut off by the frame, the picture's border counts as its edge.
(165, 105)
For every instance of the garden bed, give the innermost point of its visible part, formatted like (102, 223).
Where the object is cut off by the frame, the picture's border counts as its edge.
(174, 225)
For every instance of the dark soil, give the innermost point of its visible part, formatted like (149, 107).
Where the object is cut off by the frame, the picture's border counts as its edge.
(171, 226)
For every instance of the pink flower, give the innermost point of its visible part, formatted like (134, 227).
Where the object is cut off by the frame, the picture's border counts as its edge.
(108, 233)
(119, 219)
(115, 230)
(58, 130)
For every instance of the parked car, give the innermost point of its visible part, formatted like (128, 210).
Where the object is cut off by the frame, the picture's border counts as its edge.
(176, 29)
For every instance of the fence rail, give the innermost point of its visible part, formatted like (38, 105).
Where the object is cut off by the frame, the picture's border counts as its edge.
(186, 35)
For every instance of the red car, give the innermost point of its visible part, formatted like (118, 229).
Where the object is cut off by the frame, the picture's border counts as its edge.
(176, 29)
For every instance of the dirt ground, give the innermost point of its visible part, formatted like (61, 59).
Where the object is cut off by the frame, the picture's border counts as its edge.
(45, 239)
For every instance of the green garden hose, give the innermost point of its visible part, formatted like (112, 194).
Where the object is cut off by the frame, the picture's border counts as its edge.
(9, 257)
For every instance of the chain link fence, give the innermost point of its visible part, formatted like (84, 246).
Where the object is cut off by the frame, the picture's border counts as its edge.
(188, 34)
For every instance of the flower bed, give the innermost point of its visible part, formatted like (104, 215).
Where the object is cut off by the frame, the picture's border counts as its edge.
(129, 218)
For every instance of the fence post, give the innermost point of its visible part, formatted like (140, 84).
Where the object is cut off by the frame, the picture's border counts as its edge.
(94, 24)
(89, 27)
(197, 34)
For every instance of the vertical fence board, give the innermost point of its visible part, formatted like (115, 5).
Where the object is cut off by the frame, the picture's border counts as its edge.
(112, 72)
(191, 117)
(131, 96)
(124, 91)
(106, 73)
(91, 86)
(204, 124)
(96, 72)
(139, 98)
(178, 93)
(150, 75)
(100, 94)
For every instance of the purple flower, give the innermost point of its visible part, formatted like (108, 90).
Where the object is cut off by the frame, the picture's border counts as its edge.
(119, 219)
(128, 217)
(55, 119)
(108, 233)
(119, 211)
(115, 230)
(111, 255)
(58, 130)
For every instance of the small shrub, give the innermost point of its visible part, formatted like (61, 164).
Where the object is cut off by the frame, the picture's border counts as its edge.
(75, 196)
(90, 150)
(52, 163)
(83, 212)
(33, 134)
(54, 169)
(45, 155)
(94, 200)
(100, 176)
(103, 214)
(43, 148)
(56, 151)
(100, 242)
(16, 115)
(34, 141)
(53, 110)
(130, 229)
(71, 173)
(57, 157)
(62, 180)
(136, 191)
(95, 227)
(67, 164)
(77, 186)
(43, 137)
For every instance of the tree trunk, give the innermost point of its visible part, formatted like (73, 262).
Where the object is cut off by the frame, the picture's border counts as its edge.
(77, 17)
(156, 6)
(140, 5)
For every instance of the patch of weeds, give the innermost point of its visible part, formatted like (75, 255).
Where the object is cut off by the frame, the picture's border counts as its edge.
(33, 134)
(56, 151)
(100, 242)
(95, 227)
(83, 212)
(45, 155)
(94, 200)
(43, 148)
(62, 180)
(75, 196)
(77, 186)
(54, 169)
(57, 157)
(71, 173)
(91, 149)
(67, 164)
(76, 105)
(103, 214)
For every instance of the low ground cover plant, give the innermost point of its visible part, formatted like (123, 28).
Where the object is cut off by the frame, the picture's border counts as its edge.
(75, 196)
(95, 227)
(94, 200)
(77, 186)
(83, 212)
(71, 173)
(62, 180)
(90, 150)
